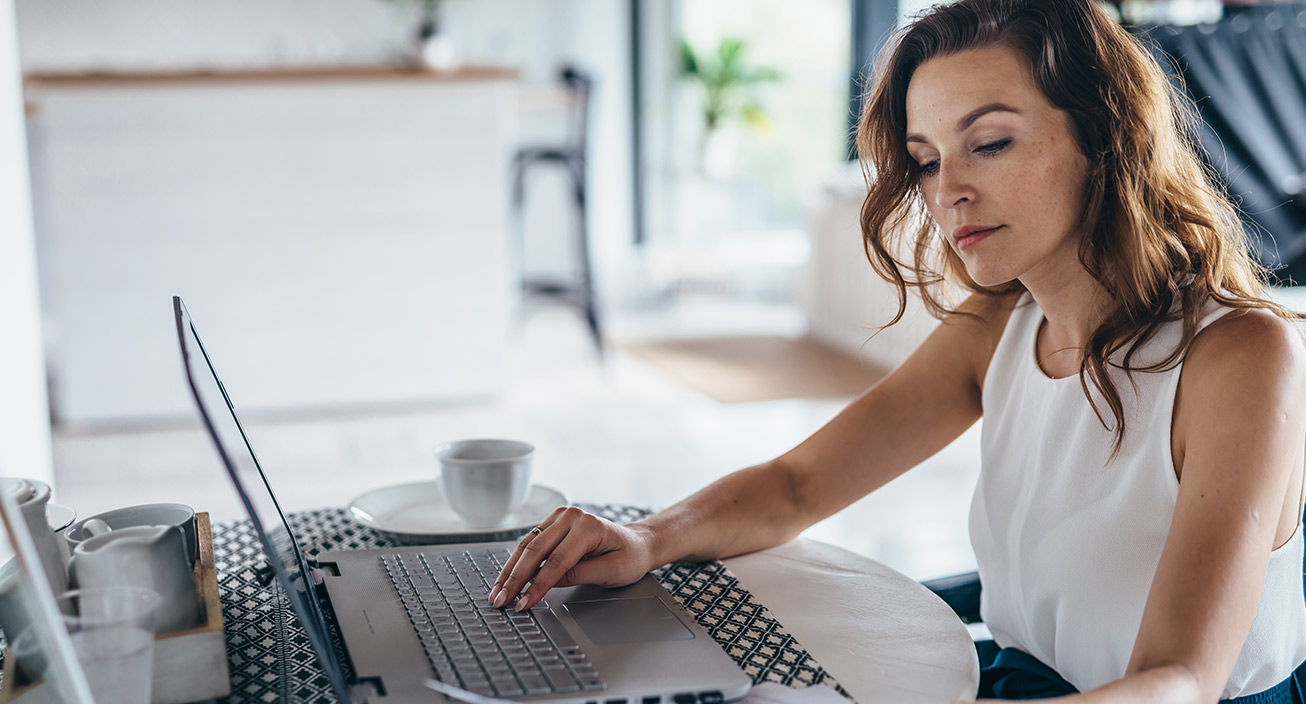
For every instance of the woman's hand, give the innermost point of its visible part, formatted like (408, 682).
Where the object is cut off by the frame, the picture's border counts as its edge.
(572, 547)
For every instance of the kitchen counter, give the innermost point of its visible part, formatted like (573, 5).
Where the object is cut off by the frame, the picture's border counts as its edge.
(343, 233)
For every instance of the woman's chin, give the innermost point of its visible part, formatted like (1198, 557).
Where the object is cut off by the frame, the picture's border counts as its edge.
(989, 278)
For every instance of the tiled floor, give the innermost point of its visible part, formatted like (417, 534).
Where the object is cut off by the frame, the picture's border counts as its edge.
(619, 432)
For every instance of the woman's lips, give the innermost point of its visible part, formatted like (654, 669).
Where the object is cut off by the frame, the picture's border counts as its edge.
(970, 237)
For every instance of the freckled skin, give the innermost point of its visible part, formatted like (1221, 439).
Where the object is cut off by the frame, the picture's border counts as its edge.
(1034, 186)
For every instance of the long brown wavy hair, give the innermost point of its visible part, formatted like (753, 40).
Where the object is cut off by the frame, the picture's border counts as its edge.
(1165, 238)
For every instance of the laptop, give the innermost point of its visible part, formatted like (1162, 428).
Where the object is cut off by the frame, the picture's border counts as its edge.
(410, 615)
(48, 671)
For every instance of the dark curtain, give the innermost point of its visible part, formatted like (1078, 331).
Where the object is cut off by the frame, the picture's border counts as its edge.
(872, 23)
(1247, 74)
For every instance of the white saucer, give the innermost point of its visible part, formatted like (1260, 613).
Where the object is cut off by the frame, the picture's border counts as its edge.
(418, 513)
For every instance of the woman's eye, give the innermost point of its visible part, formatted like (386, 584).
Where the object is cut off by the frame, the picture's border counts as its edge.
(929, 168)
(993, 147)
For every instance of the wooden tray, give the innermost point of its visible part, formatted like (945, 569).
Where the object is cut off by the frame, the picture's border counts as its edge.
(189, 665)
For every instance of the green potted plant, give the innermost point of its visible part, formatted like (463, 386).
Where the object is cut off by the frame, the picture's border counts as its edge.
(729, 86)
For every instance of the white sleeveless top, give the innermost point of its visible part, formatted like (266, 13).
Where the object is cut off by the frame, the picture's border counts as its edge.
(1067, 544)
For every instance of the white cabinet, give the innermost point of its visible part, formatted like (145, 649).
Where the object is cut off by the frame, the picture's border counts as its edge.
(341, 238)
(845, 300)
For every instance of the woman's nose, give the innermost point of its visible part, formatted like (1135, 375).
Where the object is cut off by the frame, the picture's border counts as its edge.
(955, 186)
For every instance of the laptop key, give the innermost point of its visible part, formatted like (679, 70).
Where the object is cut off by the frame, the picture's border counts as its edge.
(509, 690)
(562, 680)
(535, 684)
(525, 669)
(420, 580)
(583, 669)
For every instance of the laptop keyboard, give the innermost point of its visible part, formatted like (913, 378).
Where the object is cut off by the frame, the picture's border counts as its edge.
(471, 644)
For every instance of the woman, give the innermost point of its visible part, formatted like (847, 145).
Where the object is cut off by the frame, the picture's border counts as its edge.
(1136, 519)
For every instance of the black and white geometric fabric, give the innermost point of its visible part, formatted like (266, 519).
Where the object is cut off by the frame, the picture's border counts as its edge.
(271, 659)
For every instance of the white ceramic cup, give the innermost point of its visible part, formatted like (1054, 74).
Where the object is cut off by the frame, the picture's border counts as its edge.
(179, 515)
(485, 481)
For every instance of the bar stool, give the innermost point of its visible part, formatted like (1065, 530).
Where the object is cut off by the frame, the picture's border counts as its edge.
(577, 290)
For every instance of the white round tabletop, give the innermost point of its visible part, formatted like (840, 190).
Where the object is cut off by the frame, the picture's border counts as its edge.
(882, 635)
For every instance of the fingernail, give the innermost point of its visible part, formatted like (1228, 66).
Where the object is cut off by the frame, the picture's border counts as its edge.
(494, 593)
(521, 605)
(499, 599)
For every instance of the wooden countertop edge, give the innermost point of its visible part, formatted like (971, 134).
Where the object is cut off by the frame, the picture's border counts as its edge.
(272, 75)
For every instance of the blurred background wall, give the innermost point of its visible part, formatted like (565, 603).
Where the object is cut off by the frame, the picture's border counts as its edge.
(24, 428)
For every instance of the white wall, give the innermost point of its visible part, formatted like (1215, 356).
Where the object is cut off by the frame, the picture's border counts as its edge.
(24, 424)
(845, 300)
(536, 37)
(164, 34)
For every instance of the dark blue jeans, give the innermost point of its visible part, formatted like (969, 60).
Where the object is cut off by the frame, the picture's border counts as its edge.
(1008, 673)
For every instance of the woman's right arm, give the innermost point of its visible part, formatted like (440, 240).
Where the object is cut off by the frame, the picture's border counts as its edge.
(909, 415)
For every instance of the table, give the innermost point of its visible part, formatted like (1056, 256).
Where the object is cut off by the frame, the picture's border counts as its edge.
(887, 638)
(830, 617)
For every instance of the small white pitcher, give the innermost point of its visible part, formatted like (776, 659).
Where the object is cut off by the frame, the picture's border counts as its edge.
(153, 557)
(32, 497)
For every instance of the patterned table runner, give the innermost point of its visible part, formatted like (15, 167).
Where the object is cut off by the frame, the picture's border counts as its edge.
(272, 660)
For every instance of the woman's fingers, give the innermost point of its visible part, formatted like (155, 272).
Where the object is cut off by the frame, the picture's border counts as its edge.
(561, 565)
(521, 568)
(531, 550)
(521, 544)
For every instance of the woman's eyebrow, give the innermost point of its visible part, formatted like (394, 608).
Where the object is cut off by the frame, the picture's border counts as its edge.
(979, 112)
(969, 118)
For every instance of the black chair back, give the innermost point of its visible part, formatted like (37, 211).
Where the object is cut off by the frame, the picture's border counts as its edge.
(579, 86)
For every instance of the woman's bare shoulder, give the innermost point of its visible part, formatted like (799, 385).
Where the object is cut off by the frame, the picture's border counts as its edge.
(1251, 336)
(982, 318)
(986, 310)
(1245, 354)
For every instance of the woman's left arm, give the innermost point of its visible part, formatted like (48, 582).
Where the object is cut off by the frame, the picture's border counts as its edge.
(1239, 429)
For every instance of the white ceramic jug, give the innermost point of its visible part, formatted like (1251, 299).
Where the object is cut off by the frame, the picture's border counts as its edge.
(153, 557)
(32, 497)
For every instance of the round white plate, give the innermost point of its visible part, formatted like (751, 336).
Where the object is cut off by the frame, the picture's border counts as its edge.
(418, 513)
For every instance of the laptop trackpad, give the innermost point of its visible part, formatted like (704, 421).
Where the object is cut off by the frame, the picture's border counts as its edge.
(638, 620)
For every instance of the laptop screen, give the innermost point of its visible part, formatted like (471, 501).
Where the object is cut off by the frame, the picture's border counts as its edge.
(283, 551)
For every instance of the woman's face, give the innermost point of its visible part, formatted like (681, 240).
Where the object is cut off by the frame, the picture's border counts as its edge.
(1000, 170)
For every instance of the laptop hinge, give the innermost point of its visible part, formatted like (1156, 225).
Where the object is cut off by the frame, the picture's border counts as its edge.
(318, 571)
(318, 575)
(366, 689)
